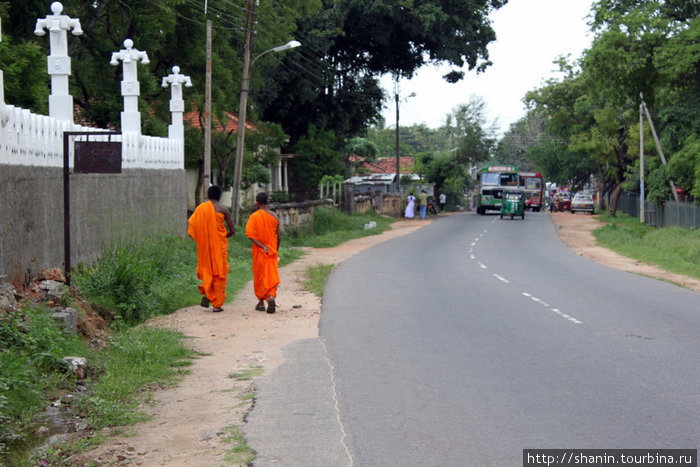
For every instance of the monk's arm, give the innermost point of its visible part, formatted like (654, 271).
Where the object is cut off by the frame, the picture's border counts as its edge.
(229, 222)
(257, 242)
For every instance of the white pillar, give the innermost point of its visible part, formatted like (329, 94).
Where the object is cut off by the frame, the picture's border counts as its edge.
(58, 62)
(176, 129)
(131, 117)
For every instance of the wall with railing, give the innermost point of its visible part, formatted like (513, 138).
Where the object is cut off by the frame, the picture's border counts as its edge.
(147, 199)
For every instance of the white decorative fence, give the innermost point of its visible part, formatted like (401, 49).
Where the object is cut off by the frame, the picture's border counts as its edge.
(37, 140)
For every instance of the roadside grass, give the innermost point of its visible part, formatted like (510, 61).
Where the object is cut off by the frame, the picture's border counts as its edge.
(331, 227)
(136, 359)
(127, 285)
(240, 453)
(672, 248)
(316, 277)
(32, 373)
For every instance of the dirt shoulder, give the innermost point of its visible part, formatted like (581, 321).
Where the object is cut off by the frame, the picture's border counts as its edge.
(190, 424)
(576, 231)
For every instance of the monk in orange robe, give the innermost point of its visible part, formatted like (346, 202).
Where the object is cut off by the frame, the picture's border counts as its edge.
(263, 230)
(207, 226)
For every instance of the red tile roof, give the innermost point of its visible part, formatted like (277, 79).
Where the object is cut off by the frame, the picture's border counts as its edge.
(387, 165)
(196, 119)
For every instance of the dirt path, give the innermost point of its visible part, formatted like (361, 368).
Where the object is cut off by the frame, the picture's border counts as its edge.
(191, 423)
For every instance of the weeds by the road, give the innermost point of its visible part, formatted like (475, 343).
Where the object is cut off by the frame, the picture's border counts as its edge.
(672, 248)
(316, 278)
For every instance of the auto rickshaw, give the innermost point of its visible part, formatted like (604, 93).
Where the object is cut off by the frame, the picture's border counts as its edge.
(513, 204)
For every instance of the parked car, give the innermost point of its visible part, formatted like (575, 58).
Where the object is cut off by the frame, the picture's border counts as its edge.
(583, 202)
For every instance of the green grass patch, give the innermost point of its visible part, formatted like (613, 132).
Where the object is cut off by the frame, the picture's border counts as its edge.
(316, 277)
(248, 374)
(240, 452)
(331, 227)
(135, 361)
(32, 372)
(672, 248)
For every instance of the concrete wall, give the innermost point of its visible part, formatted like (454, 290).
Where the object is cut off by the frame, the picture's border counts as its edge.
(105, 209)
(292, 214)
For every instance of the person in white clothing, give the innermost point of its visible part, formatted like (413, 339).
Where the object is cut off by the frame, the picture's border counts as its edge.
(410, 207)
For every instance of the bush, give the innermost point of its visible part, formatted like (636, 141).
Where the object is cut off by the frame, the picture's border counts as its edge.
(133, 283)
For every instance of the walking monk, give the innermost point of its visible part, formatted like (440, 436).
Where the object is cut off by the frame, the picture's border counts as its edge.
(206, 227)
(263, 229)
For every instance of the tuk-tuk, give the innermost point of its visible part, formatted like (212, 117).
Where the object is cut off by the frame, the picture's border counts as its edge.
(513, 204)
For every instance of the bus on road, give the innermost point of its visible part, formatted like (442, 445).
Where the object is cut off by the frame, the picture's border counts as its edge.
(532, 186)
(491, 181)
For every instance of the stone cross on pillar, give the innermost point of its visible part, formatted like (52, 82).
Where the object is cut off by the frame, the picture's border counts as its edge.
(58, 62)
(177, 105)
(131, 117)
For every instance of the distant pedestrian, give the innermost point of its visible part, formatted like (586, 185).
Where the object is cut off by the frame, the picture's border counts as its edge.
(410, 207)
(263, 230)
(443, 201)
(423, 196)
(207, 226)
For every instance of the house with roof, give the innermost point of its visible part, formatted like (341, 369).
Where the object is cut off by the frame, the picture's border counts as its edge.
(229, 130)
(379, 176)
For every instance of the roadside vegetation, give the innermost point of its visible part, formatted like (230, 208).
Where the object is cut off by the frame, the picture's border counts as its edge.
(316, 277)
(127, 285)
(671, 248)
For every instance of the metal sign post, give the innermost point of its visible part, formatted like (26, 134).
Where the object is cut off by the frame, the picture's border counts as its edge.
(90, 157)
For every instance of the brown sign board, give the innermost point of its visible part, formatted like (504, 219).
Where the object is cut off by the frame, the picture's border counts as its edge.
(98, 157)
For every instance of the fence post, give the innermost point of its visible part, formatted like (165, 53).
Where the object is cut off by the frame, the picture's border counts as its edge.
(176, 129)
(131, 117)
(58, 62)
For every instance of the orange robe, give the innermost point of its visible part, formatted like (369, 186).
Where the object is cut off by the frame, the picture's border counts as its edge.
(262, 227)
(206, 227)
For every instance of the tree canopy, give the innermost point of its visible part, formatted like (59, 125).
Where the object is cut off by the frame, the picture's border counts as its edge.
(641, 48)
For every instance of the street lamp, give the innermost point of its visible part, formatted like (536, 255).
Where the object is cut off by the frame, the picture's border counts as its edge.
(247, 63)
(398, 156)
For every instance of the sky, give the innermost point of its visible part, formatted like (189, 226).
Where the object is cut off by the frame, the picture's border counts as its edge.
(530, 34)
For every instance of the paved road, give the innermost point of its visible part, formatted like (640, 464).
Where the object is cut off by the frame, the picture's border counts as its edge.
(474, 338)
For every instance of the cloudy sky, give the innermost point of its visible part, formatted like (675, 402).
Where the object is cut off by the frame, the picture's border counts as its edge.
(531, 34)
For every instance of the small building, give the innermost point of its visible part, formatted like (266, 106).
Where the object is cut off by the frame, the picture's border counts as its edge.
(379, 176)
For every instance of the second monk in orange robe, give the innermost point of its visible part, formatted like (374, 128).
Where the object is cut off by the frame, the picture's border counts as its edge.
(206, 227)
(263, 230)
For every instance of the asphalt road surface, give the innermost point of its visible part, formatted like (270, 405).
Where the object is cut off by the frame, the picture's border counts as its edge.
(475, 338)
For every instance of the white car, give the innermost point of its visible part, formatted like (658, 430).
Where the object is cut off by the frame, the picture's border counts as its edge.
(583, 202)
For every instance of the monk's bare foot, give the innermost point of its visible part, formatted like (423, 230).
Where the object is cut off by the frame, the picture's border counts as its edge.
(271, 305)
(260, 306)
(205, 302)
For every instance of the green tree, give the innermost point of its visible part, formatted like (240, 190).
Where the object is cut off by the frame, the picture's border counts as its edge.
(316, 156)
(474, 139)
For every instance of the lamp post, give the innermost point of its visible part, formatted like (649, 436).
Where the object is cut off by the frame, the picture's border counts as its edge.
(398, 148)
(247, 63)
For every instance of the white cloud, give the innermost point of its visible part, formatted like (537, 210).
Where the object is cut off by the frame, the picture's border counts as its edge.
(531, 34)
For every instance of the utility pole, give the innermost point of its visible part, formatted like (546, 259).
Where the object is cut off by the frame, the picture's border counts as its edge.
(245, 87)
(658, 146)
(206, 175)
(641, 159)
(398, 149)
